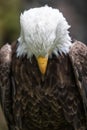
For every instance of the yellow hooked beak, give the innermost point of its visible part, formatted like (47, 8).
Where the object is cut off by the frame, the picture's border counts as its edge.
(42, 63)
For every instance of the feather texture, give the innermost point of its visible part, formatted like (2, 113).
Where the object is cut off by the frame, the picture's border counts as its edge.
(50, 102)
(43, 30)
(78, 56)
(5, 82)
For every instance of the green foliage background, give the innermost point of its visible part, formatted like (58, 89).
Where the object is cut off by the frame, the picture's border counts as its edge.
(3, 125)
(9, 20)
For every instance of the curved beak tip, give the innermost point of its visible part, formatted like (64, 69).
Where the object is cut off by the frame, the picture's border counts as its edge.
(42, 63)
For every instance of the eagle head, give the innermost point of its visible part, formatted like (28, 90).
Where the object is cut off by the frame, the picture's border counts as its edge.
(44, 31)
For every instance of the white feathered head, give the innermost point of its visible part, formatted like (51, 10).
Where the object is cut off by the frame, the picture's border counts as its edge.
(44, 31)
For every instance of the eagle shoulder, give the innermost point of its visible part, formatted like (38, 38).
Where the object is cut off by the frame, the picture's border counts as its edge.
(5, 80)
(5, 54)
(78, 56)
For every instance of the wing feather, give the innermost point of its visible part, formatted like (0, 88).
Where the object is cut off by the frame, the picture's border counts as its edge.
(78, 56)
(5, 81)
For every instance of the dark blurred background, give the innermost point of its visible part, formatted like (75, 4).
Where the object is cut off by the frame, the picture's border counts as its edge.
(75, 12)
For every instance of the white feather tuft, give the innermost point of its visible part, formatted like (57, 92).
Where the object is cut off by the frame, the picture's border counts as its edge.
(44, 31)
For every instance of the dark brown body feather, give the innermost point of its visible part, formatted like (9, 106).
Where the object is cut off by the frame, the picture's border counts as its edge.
(36, 102)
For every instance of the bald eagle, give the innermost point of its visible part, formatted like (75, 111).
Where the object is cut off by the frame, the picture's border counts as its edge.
(43, 75)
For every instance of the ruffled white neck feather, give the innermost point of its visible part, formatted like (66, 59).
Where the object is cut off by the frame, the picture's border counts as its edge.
(44, 31)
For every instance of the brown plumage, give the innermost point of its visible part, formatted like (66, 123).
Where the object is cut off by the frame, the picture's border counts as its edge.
(55, 101)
